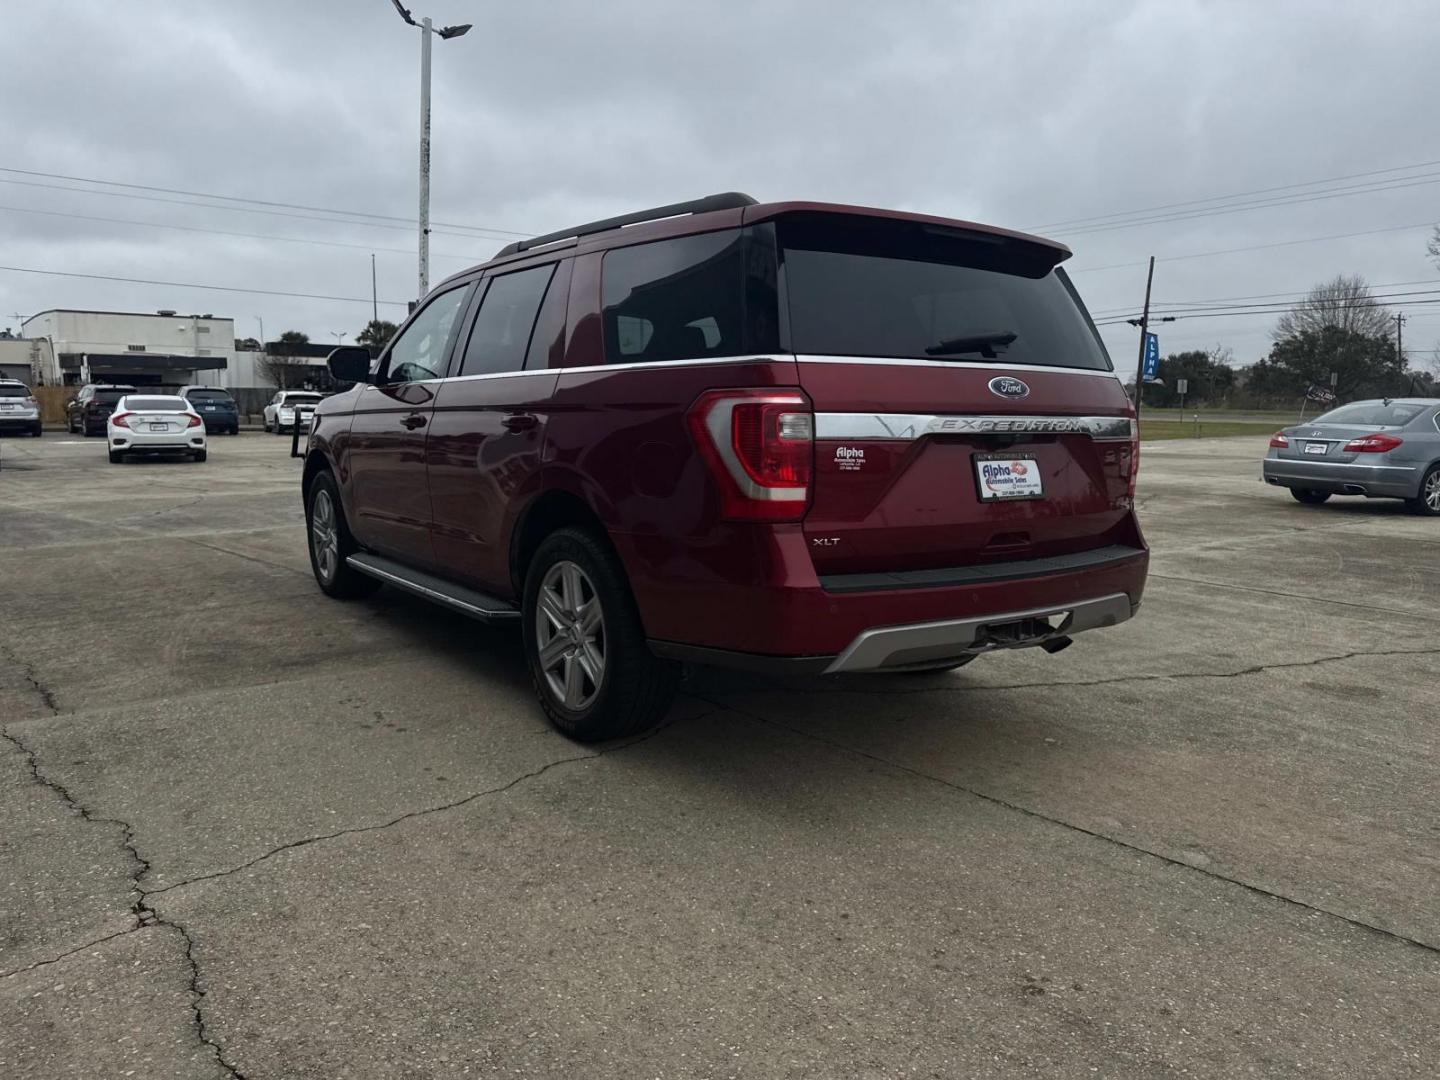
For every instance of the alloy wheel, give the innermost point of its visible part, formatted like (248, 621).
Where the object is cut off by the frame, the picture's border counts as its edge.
(323, 535)
(1432, 491)
(570, 635)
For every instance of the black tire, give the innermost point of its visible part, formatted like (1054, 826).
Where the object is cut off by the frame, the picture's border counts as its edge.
(1427, 504)
(1309, 497)
(116, 457)
(199, 455)
(70, 425)
(278, 429)
(636, 688)
(37, 431)
(341, 581)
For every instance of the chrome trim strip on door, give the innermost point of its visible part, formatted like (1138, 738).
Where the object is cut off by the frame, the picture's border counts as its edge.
(911, 426)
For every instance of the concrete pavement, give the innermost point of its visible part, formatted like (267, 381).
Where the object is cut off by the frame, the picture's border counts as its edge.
(253, 832)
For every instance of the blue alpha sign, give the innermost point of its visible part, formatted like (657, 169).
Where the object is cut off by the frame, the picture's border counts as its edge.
(1152, 356)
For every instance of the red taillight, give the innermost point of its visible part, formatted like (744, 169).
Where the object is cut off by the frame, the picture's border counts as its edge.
(1278, 441)
(1134, 448)
(194, 421)
(759, 445)
(1372, 444)
(119, 419)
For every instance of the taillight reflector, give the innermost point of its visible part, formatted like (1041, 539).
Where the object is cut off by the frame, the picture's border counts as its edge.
(1278, 441)
(119, 419)
(194, 421)
(759, 445)
(1372, 444)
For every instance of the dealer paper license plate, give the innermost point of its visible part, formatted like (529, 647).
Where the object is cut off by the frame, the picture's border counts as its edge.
(1015, 477)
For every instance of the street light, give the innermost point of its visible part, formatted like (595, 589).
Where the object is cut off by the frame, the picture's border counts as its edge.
(445, 32)
(339, 336)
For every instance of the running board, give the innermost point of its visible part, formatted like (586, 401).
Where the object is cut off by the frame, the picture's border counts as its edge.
(477, 605)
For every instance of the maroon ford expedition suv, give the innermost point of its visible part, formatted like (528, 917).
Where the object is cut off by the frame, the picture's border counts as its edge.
(789, 436)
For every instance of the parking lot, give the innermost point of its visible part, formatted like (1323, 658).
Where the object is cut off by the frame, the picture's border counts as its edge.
(249, 831)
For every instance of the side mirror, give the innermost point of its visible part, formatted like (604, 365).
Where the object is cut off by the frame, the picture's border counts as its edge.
(350, 364)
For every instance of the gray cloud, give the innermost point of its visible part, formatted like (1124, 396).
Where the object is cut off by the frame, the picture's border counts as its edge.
(1019, 114)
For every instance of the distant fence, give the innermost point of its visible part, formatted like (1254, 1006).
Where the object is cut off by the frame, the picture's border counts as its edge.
(52, 402)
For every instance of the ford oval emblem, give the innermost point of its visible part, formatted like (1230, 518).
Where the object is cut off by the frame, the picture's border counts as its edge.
(1007, 387)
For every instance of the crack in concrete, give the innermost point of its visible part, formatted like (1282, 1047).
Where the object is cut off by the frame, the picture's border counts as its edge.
(1006, 804)
(1258, 669)
(146, 916)
(27, 672)
(424, 811)
(140, 908)
(1292, 596)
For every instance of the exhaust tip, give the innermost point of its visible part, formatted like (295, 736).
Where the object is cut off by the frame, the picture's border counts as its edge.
(1057, 644)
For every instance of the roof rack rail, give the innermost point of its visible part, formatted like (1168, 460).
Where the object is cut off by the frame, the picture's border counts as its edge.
(728, 200)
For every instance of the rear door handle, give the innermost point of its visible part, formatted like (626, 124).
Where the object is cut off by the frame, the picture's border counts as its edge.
(519, 421)
(413, 421)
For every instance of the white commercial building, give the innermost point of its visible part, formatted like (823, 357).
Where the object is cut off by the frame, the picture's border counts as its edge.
(143, 349)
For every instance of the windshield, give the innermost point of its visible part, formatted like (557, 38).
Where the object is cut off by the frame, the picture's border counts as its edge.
(155, 404)
(209, 395)
(1373, 414)
(890, 289)
(14, 391)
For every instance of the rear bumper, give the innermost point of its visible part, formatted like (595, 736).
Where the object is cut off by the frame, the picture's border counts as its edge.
(1343, 478)
(21, 421)
(782, 616)
(191, 440)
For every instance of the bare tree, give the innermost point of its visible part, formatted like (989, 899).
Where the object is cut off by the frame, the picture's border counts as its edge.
(1345, 303)
(1432, 248)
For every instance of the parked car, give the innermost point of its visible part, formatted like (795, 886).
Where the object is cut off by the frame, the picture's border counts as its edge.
(289, 407)
(216, 407)
(646, 443)
(1387, 449)
(154, 424)
(19, 411)
(86, 412)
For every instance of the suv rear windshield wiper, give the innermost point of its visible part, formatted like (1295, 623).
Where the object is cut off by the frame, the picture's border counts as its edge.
(985, 344)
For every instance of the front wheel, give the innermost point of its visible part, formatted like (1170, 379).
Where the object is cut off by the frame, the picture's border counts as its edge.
(1428, 502)
(331, 544)
(585, 646)
(1309, 497)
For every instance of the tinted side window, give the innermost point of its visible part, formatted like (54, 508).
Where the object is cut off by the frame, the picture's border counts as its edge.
(674, 299)
(420, 352)
(507, 316)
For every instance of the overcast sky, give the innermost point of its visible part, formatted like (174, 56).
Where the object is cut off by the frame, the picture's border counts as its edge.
(555, 111)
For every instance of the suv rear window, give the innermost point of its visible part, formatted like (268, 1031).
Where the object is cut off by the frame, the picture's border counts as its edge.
(12, 390)
(155, 404)
(208, 395)
(875, 287)
(1372, 414)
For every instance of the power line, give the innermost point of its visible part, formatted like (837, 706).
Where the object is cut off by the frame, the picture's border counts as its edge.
(1224, 198)
(1267, 204)
(253, 202)
(224, 232)
(1274, 310)
(1255, 247)
(1296, 294)
(231, 209)
(196, 285)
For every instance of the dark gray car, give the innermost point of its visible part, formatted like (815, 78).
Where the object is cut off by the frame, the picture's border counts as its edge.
(1386, 449)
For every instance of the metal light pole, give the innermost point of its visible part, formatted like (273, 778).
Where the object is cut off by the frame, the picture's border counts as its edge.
(261, 321)
(445, 32)
(340, 336)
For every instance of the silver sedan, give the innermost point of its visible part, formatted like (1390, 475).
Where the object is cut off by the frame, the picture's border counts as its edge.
(1386, 449)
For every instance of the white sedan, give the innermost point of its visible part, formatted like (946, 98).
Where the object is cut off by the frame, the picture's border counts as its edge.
(154, 424)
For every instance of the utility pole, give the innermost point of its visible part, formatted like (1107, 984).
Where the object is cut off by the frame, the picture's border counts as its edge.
(374, 296)
(424, 158)
(1400, 338)
(1144, 333)
(426, 28)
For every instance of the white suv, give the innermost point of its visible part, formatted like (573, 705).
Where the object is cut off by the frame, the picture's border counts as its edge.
(18, 408)
(288, 407)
